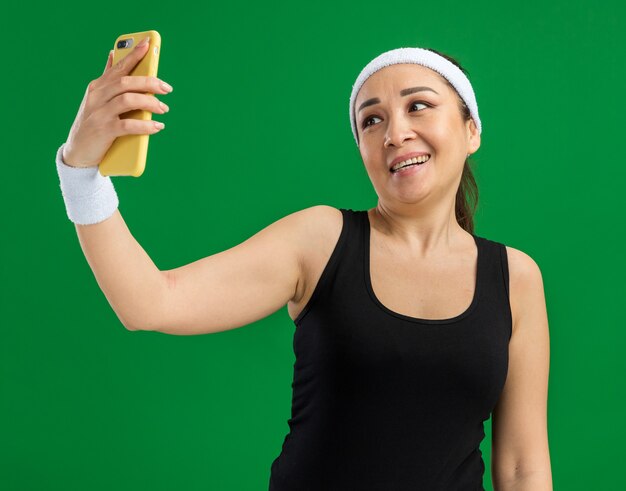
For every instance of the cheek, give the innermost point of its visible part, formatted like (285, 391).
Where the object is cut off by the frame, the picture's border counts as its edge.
(367, 155)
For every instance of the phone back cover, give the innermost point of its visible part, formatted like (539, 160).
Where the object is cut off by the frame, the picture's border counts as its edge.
(127, 154)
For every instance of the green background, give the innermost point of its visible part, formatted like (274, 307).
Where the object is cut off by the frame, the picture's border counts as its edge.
(258, 129)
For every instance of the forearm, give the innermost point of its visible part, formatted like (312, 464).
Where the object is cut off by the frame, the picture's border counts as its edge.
(133, 285)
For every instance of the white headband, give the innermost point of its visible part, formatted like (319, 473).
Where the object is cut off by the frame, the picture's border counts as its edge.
(424, 57)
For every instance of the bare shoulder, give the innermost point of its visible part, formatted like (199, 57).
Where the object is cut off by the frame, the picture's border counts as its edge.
(307, 224)
(319, 217)
(522, 267)
(310, 228)
(319, 229)
(316, 224)
(525, 281)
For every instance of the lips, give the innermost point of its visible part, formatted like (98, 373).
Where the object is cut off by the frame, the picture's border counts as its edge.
(412, 164)
(406, 156)
(410, 169)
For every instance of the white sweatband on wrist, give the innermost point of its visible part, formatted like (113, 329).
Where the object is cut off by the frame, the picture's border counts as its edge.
(89, 196)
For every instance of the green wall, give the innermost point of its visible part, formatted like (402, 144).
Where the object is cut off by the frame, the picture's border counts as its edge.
(259, 128)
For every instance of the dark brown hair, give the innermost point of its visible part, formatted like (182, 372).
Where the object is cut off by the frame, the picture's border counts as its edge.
(467, 193)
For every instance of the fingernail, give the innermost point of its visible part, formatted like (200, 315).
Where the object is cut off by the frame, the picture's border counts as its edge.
(167, 87)
(144, 42)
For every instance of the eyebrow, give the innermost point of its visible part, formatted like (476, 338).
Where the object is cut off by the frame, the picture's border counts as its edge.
(403, 92)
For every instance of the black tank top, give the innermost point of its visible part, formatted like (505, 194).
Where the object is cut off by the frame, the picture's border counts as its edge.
(387, 402)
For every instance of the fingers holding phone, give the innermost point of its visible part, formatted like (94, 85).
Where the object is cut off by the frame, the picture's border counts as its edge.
(116, 93)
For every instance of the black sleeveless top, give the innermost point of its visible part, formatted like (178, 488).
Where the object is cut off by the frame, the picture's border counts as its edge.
(387, 402)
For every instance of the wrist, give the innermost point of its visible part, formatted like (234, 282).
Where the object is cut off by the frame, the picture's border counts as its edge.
(89, 196)
(68, 160)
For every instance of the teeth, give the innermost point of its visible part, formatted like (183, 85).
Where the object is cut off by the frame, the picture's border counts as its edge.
(421, 159)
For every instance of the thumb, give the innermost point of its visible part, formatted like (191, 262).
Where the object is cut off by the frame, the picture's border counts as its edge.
(109, 61)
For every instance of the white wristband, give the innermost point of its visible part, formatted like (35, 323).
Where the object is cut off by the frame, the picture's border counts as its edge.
(89, 196)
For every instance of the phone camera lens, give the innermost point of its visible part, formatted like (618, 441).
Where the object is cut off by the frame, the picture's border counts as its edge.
(122, 44)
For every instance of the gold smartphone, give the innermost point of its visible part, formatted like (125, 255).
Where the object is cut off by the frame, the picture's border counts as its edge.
(127, 154)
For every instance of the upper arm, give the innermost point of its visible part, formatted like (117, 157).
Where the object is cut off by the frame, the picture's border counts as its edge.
(240, 285)
(519, 420)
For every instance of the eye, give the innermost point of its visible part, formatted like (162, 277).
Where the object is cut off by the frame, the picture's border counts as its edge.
(366, 120)
(369, 118)
(419, 102)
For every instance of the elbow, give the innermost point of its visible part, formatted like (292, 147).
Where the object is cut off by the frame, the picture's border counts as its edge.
(129, 326)
(538, 481)
(144, 326)
(148, 315)
(135, 327)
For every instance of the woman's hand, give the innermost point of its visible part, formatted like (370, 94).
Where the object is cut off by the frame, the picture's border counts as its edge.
(115, 92)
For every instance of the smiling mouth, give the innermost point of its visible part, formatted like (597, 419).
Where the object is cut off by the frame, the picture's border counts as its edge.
(409, 165)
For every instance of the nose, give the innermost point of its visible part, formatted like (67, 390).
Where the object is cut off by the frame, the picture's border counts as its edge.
(398, 131)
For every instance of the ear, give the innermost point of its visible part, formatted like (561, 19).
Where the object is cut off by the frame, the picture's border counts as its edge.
(473, 136)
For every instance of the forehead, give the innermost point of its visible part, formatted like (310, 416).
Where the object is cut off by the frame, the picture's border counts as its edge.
(396, 77)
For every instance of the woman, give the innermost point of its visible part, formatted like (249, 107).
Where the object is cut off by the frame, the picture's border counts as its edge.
(411, 330)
